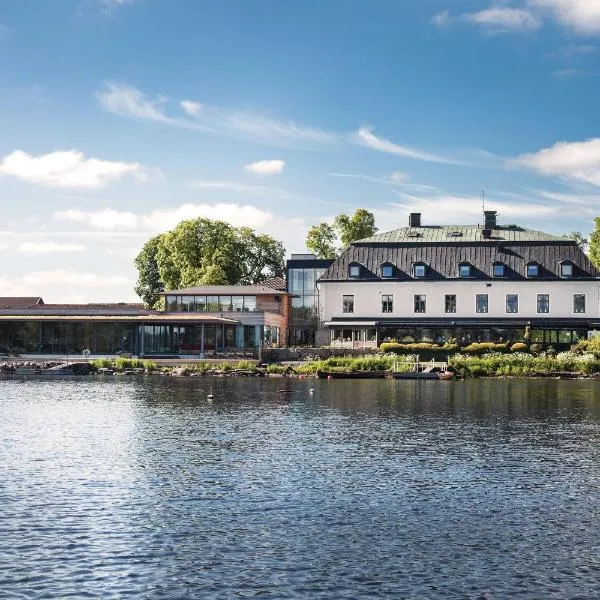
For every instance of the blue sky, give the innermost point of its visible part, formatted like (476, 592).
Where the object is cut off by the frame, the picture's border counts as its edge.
(118, 118)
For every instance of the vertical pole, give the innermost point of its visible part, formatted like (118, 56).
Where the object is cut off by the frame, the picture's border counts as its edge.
(202, 340)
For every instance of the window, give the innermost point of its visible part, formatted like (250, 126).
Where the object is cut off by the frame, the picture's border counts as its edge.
(420, 304)
(543, 303)
(387, 304)
(533, 270)
(348, 304)
(566, 270)
(499, 270)
(249, 303)
(354, 271)
(464, 270)
(450, 303)
(512, 303)
(578, 303)
(387, 271)
(419, 270)
(481, 303)
(237, 303)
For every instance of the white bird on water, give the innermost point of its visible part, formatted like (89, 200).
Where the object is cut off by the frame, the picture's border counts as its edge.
(311, 391)
(210, 396)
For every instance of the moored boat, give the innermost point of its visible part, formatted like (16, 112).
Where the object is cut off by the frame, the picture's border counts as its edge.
(351, 374)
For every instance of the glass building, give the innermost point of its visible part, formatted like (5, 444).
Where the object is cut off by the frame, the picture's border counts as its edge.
(303, 271)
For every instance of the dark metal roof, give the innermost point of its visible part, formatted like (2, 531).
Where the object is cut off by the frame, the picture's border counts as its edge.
(442, 260)
(459, 233)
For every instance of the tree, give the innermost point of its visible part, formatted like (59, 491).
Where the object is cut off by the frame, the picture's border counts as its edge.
(321, 239)
(205, 252)
(577, 237)
(149, 283)
(594, 243)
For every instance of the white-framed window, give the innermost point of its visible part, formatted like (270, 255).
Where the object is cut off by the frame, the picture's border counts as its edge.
(543, 303)
(420, 270)
(387, 303)
(420, 303)
(566, 269)
(354, 271)
(387, 271)
(464, 270)
(481, 303)
(533, 270)
(499, 270)
(450, 303)
(579, 303)
(512, 303)
(348, 303)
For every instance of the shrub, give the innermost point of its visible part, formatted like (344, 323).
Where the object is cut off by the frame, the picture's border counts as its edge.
(536, 349)
(479, 348)
(519, 347)
(408, 348)
(278, 369)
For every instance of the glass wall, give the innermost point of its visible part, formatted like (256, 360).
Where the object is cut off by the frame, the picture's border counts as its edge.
(210, 303)
(305, 304)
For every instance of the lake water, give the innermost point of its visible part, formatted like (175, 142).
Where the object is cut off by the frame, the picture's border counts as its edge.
(363, 489)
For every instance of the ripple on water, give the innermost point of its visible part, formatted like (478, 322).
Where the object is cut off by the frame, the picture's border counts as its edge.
(374, 489)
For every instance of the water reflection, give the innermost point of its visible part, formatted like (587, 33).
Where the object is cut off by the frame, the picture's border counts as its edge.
(413, 489)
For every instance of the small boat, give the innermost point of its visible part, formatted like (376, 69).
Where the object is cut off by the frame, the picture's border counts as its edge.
(350, 374)
(445, 375)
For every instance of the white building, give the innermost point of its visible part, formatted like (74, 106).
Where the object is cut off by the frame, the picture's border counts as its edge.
(468, 283)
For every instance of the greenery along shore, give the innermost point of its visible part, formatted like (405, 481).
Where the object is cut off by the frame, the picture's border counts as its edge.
(475, 360)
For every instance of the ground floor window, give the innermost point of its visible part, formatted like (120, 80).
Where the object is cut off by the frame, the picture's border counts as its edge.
(357, 337)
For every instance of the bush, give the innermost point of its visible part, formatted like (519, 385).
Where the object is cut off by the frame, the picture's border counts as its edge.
(479, 348)
(408, 348)
(519, 347)
(536, 349)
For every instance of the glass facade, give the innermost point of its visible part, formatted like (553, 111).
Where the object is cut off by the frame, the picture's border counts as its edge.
(302, 276)
(211, 303)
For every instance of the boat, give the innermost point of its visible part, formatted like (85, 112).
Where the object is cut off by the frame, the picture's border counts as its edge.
(351, 374)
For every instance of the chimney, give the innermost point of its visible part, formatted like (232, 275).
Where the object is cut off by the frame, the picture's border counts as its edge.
(490, 219)
(414, 220)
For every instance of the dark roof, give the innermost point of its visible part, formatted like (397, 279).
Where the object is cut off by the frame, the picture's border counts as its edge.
(16, 301)
(275, 283)
(462, 233)
(224, 290)
(442, 259)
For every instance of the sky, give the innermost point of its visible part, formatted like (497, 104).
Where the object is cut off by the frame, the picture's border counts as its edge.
(120, 118)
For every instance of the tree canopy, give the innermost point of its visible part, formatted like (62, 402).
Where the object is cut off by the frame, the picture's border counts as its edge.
(579, 238)
(328, 240)
(594, 243)
(205, 252)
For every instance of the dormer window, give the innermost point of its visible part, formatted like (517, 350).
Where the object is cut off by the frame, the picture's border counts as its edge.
(419, 270)
(533, 269)
(387, 271)
(499, 270)
(566, 269)
(354, 271)
(464, 270)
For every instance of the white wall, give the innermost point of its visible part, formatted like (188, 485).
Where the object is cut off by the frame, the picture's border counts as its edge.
(367, 298)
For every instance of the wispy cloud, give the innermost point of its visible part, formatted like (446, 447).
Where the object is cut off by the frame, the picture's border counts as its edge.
(128, 101)
(365, 137)
(571, 51)
(68, 169)
(583, 16)
(441, 19)
(571, 72)
(266, 167)
(504, 19)
(578, 161)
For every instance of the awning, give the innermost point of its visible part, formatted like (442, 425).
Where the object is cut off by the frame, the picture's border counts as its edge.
(349, 323)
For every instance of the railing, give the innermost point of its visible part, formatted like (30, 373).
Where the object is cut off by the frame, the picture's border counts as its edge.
(422, 367)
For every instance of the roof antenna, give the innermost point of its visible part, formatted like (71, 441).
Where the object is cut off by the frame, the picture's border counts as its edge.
(483, 203)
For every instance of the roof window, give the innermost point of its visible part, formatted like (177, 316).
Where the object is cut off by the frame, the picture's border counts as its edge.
(354, 271)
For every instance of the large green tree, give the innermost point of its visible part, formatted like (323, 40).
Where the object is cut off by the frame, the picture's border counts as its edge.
(578, 237)
(594, 243)
(327, 240)
(205, 252)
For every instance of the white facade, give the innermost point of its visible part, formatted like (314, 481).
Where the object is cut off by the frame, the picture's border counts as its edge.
(368, 299)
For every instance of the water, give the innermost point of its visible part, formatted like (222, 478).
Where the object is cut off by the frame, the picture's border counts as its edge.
(373, 489)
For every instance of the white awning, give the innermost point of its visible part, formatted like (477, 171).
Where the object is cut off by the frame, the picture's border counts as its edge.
(349, 323)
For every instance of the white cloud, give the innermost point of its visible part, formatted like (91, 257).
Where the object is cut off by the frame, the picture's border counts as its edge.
(67, 169)
(61, 276)
(365, 137)
(235, 214)
(192, 108)
(581, 15)
(48, 247)
(106, 219)
(128, 101)
(266, 167)
(441, 19)
(503, 18)
(574, 160)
